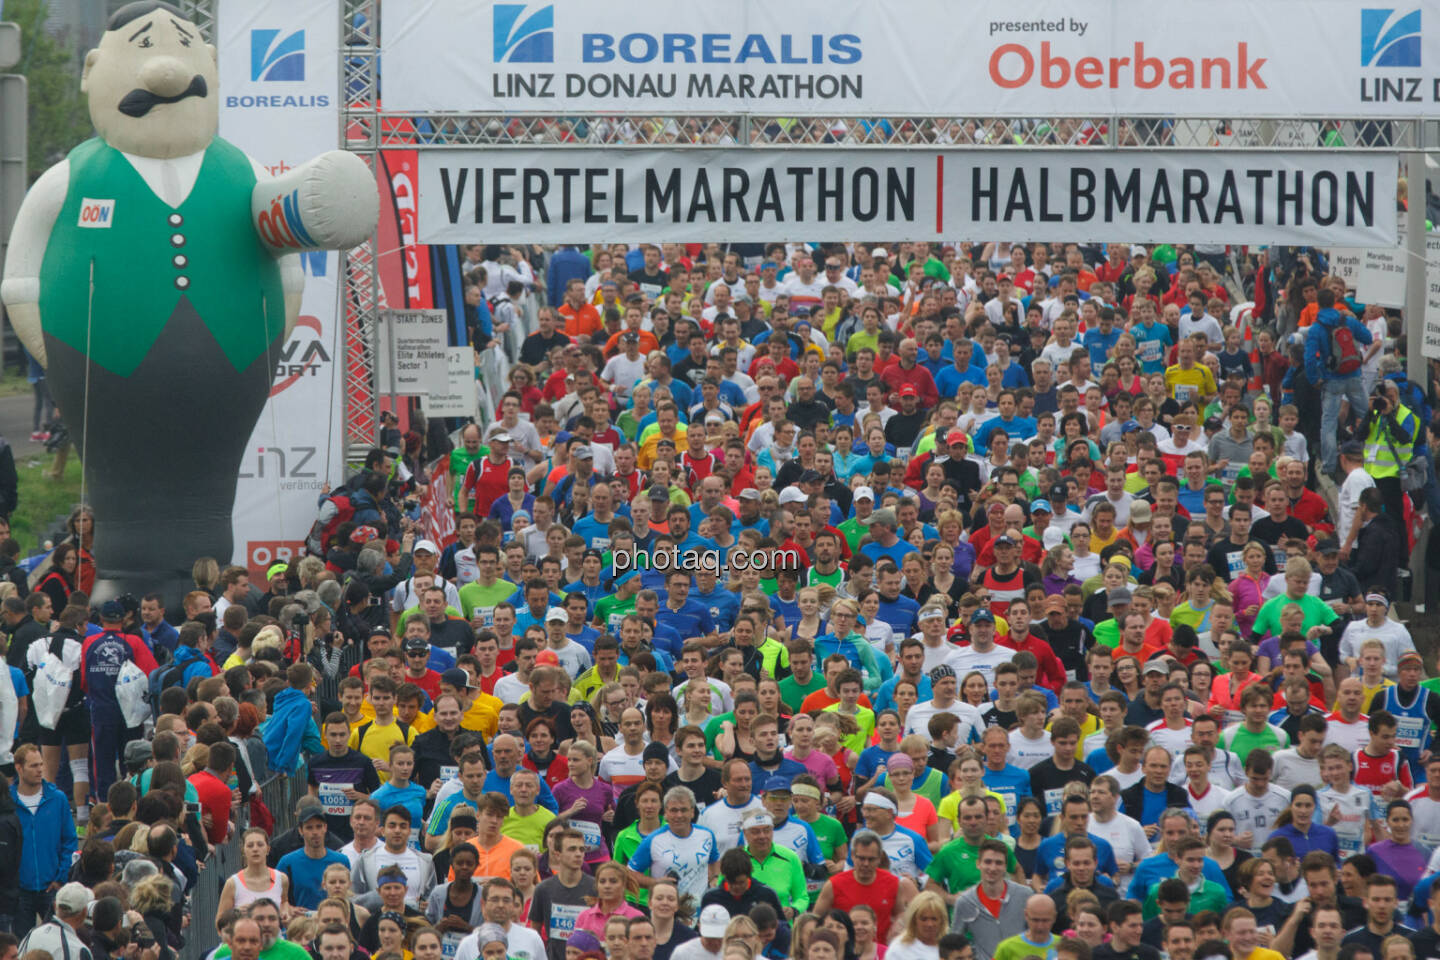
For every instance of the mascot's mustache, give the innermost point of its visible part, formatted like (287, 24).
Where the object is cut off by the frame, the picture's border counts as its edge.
(138, 102)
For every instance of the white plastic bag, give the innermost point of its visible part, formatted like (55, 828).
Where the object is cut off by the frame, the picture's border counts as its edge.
(53, 679)
(132, 690)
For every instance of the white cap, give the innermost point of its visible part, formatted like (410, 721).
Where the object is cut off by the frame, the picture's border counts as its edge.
(713, 921)
(880, 252)
(792, 495)
(864, 493)
(556, 615)
(425, 545)
(1054, 536)
(74, 898)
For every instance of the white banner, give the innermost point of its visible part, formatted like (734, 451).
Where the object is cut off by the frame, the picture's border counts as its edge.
(1345, 263)
(1382, 277)
(459, 400)
(548, 195)
(1223, 58)
(279, 81)
(419, 340)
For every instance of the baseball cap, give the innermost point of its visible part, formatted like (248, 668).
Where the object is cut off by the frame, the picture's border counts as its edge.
(455, 677)
(112, 610)
(364, 534)
(1129, 426)
(74, 898)
(1213, 423)
(1117, 597)
(316, 812)
(630, 337)
(983, 615)
(1139, 512)
(556, 615)
(583, 452)
(956, 436)
(884, 515)
(810, 476)
(1158, 665)
(713, 921)
(503, 436)
(659, 494)
(1004, 540)
(777, 784)
(758, 819)
(908, 390)
(1055, 604)
(582, 940)
(1059, 493)
(792, 495)
(426, 545)
(137, 752)
(547, 658)
(861, 493)
(1136, 250)
(880, 253)
(749, 493)
(420, 643)
(1352, 448)
(1054, 536)
(1041, 504)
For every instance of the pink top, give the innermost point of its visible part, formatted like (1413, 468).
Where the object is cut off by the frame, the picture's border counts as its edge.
(1246, 591)
(822, 767)
(594, 918)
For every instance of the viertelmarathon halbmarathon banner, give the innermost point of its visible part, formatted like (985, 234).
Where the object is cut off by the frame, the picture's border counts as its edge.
(552, 195)
(1222, 58)
(279, 78)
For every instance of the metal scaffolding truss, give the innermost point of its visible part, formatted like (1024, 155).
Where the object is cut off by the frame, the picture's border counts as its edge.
(365, 130)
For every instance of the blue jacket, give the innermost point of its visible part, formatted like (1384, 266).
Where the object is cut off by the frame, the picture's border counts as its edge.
(49, 835)
(1317, 344)
(286, 729)
(566, 264)
(1152, 870)
(196, 664)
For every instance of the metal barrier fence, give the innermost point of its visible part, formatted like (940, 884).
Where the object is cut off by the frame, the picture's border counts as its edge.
(280, 794)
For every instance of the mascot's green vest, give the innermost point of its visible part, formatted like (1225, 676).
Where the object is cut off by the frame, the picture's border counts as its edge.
(143, 255)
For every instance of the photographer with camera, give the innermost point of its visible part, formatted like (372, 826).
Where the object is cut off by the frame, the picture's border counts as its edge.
(1390, 429)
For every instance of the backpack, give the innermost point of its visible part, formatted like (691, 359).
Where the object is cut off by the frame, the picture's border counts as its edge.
(1345, 357)
(336, 509)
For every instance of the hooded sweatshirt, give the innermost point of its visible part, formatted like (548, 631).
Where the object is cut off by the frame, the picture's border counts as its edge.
(287, 728)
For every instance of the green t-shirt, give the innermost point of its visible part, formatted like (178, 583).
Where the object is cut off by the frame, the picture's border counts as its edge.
(1210, 896)
(853, 531)
(712, 731)
(865, 717)
(1019, 946)
(610, 610)
(859, 340)
(281, 950)
(830, 834)
(1317, 612)
(475, 595)
(813, 579)
(627, 841)
(793, 692)
(957, 865)
(529, 829)
(1240, 740)
(449, 612)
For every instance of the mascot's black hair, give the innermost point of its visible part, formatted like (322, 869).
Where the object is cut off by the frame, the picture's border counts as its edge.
(138, 9)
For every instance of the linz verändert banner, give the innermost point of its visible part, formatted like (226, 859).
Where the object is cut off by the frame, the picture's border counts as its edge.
(278, 85)
(1224, 58)
(553, 195)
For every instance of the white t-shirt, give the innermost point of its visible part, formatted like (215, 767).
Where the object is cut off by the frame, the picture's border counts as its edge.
(1291, 769)
(1127, 838)
(1212, 800)
(1256, 815)
(510, 688)
(1206, 324)
(1026, 753)
(693, 949)
(1427, 817)
(573, 657)
(623, 372)
(723, 820)
(1351, 736)
(971, 723)
(985, 663)
(1393, 634)
(1173, 740)
(1357, 807)
(522, 943)
(1356, 483)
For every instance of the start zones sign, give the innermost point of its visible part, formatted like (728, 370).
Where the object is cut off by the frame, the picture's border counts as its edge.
(559, 194)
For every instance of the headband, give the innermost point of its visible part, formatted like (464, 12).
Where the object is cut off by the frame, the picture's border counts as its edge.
(873, 799)
(1377, 598)
(805, 790)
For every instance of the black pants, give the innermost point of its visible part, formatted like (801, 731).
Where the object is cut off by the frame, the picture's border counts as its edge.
(1389, 488)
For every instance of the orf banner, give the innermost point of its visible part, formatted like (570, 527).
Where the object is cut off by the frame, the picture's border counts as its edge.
(278, 86)
(546, 195)
(1031, 58)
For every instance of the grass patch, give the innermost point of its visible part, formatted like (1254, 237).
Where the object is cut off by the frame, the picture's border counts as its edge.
(42, 498)
(13, 383)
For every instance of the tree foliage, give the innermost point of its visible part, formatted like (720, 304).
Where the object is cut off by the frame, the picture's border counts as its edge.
(58, 116)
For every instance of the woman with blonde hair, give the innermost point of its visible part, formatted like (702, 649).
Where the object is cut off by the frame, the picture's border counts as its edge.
(154, 899)
(612, 883)
(812, 623)
(741, 929)
(919, 938)
(336, 884)
(805, 925)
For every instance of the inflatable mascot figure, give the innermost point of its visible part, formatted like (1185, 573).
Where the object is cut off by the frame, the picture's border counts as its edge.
(154, 274)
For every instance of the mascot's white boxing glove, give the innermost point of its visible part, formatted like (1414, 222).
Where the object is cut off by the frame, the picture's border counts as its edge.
(328, 203)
